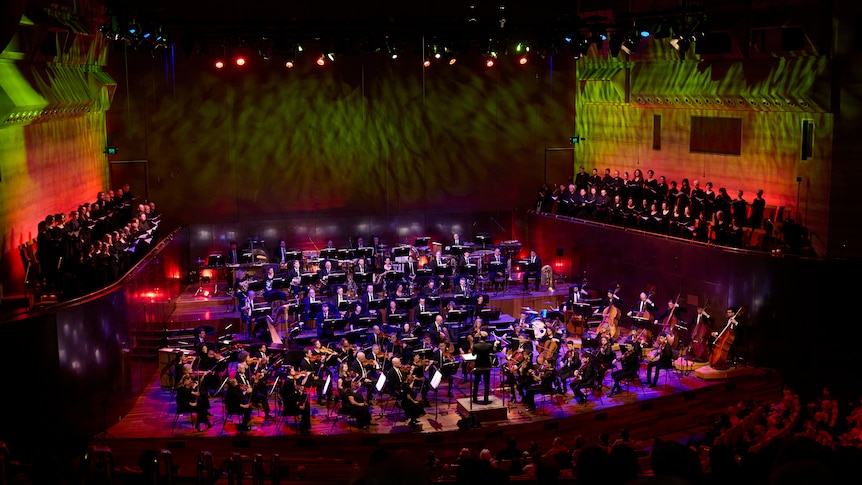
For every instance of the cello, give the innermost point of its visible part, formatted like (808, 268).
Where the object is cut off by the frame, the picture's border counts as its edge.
(724, 341)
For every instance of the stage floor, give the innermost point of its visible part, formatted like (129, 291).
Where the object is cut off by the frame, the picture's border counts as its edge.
(685, 402)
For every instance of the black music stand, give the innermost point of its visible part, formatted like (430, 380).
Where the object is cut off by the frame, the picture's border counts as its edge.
(404, 303)
(308, 279)
(483, 240)
(366, 252)
(367, 321)
(433, 301)
(489, 314)
(396, 320)
(457, 315)
(362, 279)
(401, 251)
(421, 242)
(425, 318)
(328, 253)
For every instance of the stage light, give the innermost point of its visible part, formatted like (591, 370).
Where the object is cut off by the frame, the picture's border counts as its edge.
(240, 61)
(321, 61)
(489, 62)
(630, 44)
(522, 60)
(427, 63)
(289, 64)
(453, 60)
(219, 64)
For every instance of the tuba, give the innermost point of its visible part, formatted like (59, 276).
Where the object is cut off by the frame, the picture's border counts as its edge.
(547, 277)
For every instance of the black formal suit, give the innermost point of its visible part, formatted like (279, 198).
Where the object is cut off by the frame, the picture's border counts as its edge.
(482, 370)
(441, 271)
(533, 270)
(630, 363)
(234, 256)
(497, 268)
(367, 378)
(587, 376)
(665, 361)
(279, 255)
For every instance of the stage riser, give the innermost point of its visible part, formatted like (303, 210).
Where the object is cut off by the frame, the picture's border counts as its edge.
(644, 419)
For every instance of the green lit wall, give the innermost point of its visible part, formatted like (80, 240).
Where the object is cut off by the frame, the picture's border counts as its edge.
(363, 135)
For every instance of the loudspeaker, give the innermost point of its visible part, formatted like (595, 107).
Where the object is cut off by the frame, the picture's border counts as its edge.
(560, 252)
(469, 422)
(807, 139)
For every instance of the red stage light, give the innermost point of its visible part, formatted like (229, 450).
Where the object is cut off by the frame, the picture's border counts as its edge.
(489, 62)
(321, 61)
(240, 61)
(522, 60)
(219, 64)
(288, 64)
(427, 63)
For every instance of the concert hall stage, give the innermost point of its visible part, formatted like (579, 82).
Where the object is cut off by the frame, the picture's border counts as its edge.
(681, 406)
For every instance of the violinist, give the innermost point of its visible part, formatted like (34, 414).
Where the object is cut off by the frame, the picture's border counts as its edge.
(569, 363)
(235, 404)
(662, 358)
(584, 377)
(260, 394)
(630, 362)
(379, 356)
(345, 352)
(419, 369)
(377, 336)
(444, 361)
(605, 357)
(324, 355)
(295, 400)
(207, 363)
(312, 366)
(396, 347)
(409, 402)
(542, 377)
(243, 378)
(354, 405)
(367, 373)
(258, 360)
(466, 347)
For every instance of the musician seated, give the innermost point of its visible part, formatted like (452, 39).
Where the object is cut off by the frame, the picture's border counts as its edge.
(312, 366)
(444, 361)
(584, 378)
(533, 269)
(294, 277)
(440, 268)
(354, 405)
(234, 401)
(310, 305)
(253, 314)
(542, 375)
(324, 273)
(630, 362)
(260, 394)
(324, 320)
(295, 400)
(462, 290)
(367, 372)
(272, 287)
(497, 266)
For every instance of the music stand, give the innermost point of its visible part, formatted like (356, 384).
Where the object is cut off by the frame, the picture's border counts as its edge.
(396, 319)
(484, 240)
(367, 321)
(365, 252)
(401, 251)
(433, 301)
(490, 314)
(379, 385)
(421, 242)
(362, 278)
(435, 384)
(425, 318)
(308, 279)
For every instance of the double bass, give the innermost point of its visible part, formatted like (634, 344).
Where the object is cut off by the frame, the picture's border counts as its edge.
(669, 324)
(610, 321)
(724, 341)
(699, 349)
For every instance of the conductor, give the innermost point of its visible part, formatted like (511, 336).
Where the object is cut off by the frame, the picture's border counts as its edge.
(482, 371)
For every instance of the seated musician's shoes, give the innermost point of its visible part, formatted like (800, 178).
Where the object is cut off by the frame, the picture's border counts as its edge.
(650, 384)
(268, 417)
(413, 422)
(582, 400)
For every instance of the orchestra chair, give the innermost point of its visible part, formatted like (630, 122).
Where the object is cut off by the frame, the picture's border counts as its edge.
(340, 413)
(189, 413)
(228, 416)
(282, 421)
(633, 380)
(552, 396)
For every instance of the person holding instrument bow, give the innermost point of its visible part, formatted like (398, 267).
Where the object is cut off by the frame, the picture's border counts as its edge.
(701, 335)
(727, 341)
(295, 400)
(444, 361)
(354, 405)
(661, 358)
(234, 402)
(584, 377)
(669, 320)
(630, 362)
(645, 308)
(540, 379)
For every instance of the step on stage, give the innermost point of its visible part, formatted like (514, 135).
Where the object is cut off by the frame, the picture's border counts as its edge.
(493, 411)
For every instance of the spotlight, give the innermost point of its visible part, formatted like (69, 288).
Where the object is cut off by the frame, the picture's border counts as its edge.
(522, 60)
(289, 64)
(240, 61)
(321, 61)
(219, 64)
(630, 44)
(331, 56)
(427, 63)
(681, 44)
(489, 62)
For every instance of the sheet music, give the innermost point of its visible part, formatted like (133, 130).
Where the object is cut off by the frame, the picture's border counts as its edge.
(381, 381)
(435, 381)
